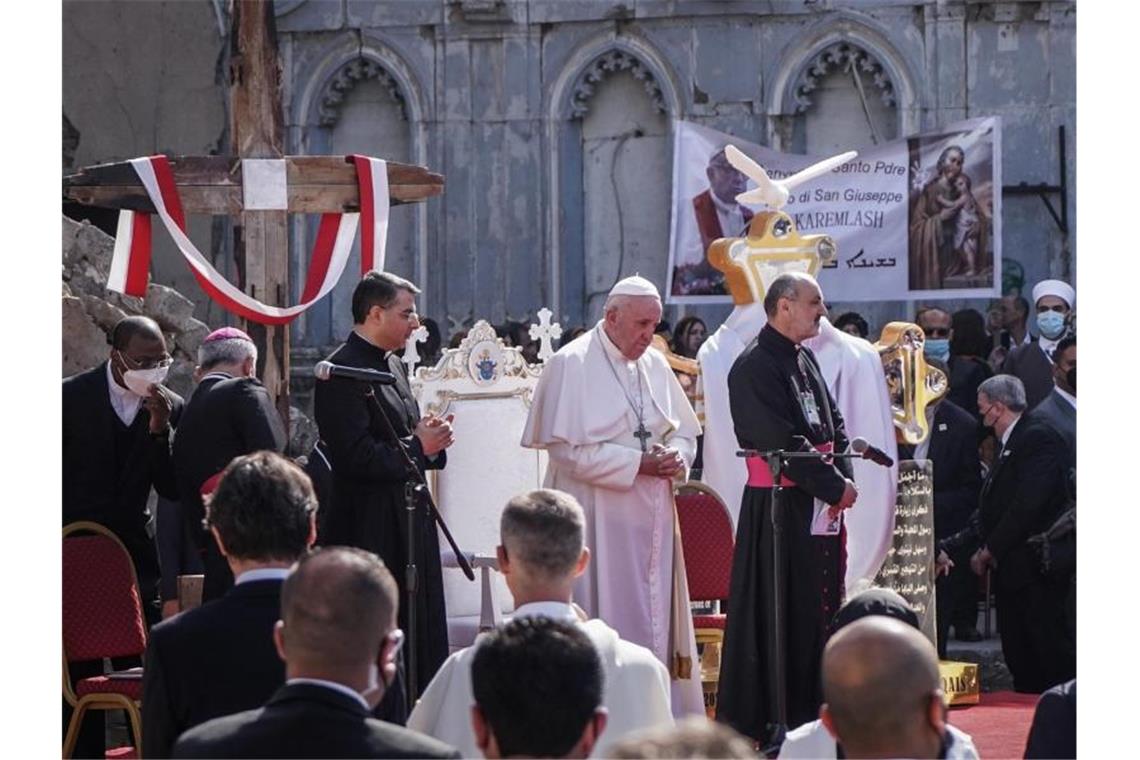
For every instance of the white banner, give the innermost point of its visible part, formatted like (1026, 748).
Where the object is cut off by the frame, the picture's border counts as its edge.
(916, 218)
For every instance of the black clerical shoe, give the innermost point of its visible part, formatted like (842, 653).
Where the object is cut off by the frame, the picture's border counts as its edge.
(967, 634)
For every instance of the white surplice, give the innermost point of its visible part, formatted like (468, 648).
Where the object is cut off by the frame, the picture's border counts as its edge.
(584, 414)
(636, 695)
(853, 373)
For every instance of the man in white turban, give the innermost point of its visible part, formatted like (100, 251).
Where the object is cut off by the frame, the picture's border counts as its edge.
(1032, 363)
(619, 431)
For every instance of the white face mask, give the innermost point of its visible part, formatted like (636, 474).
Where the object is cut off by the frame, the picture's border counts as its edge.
(140, 380)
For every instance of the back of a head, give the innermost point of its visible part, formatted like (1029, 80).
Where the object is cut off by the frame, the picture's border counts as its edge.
(225, 346)
(544, 530)
(874, 601)
(337, 604)
(969, 333)
(262, 508)
(538, 683)
(878, 677)
(696, 737)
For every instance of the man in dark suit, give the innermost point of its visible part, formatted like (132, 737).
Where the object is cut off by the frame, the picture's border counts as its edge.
(1033, 363)
(219, 658)
(339, 642)
(1060, 407)
(116, 431)
(231, 413)
(368, 507)
(1023, 494)
(953, 448)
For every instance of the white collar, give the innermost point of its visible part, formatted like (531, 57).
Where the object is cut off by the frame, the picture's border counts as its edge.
(1008, 430)
(612, 350)
(554, 610)
(124, 395)
(727, 208)
(125, 403)
(216, 374)
(1066, 395)
(1047, 345)
(348, 691)
(262, 574)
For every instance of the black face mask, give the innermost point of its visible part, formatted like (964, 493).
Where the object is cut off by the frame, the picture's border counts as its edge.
(1071, 379)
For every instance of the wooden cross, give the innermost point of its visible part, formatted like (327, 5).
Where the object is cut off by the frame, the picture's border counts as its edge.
(213, 184)
(545, 331)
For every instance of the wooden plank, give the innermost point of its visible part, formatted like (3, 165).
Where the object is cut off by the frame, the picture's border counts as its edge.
(190, 171)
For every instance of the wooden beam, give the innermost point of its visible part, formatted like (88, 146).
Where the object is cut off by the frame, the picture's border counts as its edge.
(212, 185)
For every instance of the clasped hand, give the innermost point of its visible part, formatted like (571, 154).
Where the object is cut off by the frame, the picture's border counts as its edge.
(435, 433)
(661, 462)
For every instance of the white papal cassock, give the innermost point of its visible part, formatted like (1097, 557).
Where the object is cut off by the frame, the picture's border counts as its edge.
(582, 414)
(636, 692)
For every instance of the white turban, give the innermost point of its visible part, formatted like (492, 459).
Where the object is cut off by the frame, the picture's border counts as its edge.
(635, 286)
(1059, 288)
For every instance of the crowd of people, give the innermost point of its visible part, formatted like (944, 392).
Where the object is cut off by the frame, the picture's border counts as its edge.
(299, 648)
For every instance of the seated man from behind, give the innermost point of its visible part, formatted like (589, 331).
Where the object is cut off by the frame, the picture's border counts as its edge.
(882, 692)
(812, 740)
(339, 641)
(219, 659)
(538, 691)
(541, 554)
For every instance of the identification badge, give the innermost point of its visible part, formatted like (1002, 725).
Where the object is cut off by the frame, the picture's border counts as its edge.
(811, 411)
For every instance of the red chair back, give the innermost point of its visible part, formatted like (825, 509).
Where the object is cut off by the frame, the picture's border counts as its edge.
(102, 609)
(707, 541)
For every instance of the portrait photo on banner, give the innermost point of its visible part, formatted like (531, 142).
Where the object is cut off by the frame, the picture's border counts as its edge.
(917, 217)
(951, 224)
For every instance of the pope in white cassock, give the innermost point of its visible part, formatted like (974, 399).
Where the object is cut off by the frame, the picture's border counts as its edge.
(619, 431)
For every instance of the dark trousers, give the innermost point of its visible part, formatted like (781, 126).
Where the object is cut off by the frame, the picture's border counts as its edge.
(956, 598)
(1035, 636)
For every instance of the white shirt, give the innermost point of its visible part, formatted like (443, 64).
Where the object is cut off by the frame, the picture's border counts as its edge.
(262, 574)
(124, 401)
(1066, 395)
(334, 686)
(812, 740)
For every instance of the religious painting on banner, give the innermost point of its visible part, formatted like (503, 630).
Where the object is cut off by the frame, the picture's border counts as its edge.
(916, 217)
(909, 566)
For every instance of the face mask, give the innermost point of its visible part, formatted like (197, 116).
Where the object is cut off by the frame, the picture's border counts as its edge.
(937, 348)
(1071, 379)
(1051, 324)
(140, 380)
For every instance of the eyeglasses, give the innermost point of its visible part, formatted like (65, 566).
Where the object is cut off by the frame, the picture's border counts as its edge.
(149, 363)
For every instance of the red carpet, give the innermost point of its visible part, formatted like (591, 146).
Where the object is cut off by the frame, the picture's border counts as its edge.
(999, 724)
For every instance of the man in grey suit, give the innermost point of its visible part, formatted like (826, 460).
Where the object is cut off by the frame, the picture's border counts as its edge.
(1060, 407)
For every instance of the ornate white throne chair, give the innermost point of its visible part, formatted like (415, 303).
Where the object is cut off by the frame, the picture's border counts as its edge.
(487, 386)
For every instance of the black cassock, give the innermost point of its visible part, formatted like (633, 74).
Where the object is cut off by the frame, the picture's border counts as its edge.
(368, 508)
(779, 401)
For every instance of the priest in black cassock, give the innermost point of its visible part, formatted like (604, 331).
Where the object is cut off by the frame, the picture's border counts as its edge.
(368, 508)
(779, 401)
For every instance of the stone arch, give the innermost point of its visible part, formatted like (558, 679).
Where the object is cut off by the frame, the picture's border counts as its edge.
(849, 38)
(566, 105)
(316, 111)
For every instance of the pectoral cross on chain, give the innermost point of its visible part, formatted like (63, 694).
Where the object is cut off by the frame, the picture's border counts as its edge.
(642, 435)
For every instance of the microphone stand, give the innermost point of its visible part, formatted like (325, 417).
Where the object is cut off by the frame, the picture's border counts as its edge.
(774, 613)
(415, 486)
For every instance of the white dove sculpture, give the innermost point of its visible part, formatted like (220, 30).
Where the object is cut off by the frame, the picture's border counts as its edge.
(775, 192)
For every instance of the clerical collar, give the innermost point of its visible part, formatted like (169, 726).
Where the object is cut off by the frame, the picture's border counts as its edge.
(369, 341)
(262, 574)
(553, 610)
(777, 340)
(611, 350)
(216, 376)
(727, 208)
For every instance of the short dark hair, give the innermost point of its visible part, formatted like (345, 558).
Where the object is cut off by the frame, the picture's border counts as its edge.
(852, 318)
(128, 327)
(786, 285)
(1064, 344)
(544, 530)
(969, 334)
(262, 507)
(338, 604)
(538, 682)
(377, 289)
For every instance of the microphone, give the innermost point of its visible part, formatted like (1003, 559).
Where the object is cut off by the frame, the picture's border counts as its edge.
(328, 370)
(867, 451)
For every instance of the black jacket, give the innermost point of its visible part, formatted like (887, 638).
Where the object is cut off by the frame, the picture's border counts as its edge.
(103, 481)
(957, 468)
(225, 418)
(307, 720)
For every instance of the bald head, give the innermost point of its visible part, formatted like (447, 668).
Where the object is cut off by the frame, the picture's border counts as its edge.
(794, 305)
(337, 606)
(880, 683)
(788, 286)
(129, 327)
